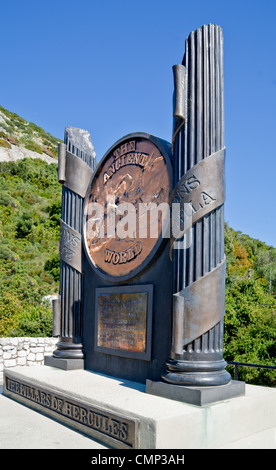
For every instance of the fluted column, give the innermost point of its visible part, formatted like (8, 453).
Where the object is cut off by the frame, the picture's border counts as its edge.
(198, 140)
(78, 147)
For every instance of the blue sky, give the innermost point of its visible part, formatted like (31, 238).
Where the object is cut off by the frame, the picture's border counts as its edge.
(106, 66)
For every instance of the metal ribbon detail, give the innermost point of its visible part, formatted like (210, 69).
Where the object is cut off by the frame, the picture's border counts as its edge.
(198, 307)
(73, 172)
(70, 246)
(201, 305)
(200, 191)
(180, 100)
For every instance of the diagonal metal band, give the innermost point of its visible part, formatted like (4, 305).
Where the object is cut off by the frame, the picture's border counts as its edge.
(73, 172)
(199, 192)
(70, 246)
(198, 307)
(201, 305)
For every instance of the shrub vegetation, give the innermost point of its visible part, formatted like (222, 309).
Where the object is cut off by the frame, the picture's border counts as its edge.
(30, 205)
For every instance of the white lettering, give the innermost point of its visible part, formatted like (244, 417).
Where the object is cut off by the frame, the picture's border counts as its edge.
(101, 460)
(162, 459)
(126, 226)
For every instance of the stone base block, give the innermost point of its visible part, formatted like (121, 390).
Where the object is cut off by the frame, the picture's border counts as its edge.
(196, 395)
(64, 364)
(120, 414)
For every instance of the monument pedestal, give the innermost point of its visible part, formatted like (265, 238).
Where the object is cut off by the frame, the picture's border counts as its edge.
(120, 414)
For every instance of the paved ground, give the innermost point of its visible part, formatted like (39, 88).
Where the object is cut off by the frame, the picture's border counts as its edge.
(23, 428)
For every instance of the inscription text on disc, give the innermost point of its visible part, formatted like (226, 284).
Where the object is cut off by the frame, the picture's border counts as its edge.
(122, 220)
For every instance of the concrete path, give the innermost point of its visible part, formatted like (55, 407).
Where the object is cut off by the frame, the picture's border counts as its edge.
(24, 428)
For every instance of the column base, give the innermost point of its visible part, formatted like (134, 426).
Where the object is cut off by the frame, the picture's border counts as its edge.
(196, 373)
(199, 396)
(67, 349)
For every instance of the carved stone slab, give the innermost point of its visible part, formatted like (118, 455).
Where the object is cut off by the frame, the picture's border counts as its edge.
(118, 430)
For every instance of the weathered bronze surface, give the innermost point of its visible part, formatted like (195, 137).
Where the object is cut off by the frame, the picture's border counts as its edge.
(133, 172)
(122, 321)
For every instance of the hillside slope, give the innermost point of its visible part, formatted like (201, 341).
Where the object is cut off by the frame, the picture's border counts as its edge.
(30, 206)
(250, 318)
(22, 139)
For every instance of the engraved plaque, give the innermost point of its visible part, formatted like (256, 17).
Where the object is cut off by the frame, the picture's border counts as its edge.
(127, 207)
(110, 427)
(123, 321)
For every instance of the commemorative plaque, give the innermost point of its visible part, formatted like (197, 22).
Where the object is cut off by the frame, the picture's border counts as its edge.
(126, 207)
(124, 320)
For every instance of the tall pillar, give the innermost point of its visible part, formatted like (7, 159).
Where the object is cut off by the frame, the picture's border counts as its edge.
(196, 357)
(76, 166)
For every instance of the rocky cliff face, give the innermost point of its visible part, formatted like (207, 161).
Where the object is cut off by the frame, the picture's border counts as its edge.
(22, 139)
(17, 152)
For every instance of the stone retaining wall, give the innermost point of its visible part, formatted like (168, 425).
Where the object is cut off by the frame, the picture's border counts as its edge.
(25, 351)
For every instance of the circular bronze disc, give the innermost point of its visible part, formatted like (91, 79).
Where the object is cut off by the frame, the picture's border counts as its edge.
(118, 237)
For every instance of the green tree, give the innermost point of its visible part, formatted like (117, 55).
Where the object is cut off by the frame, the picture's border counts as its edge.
(24, 226)
(52, 266)
(250, 330)
(265, 266)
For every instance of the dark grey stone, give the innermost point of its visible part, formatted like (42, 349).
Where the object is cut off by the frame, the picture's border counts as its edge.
(64, 364)
(199, 396)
